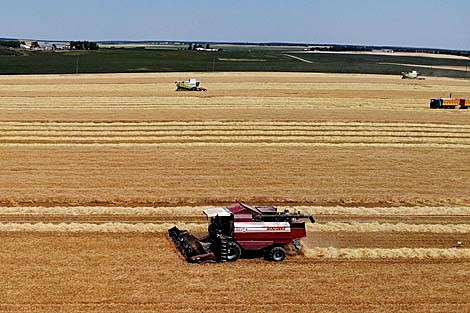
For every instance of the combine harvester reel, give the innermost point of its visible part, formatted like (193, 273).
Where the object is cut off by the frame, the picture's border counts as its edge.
(240, 229)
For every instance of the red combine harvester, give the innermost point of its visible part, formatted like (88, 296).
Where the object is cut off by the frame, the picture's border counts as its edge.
(239, 229)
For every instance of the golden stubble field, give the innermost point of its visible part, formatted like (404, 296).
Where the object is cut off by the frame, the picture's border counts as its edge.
(95, 168)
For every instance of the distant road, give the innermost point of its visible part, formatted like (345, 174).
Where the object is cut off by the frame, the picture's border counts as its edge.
(297, 58)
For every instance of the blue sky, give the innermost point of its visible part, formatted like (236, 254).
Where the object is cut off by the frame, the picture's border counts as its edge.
(426, 23)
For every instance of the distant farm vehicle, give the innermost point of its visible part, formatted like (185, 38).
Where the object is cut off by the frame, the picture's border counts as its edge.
(449, 103)
(241, 229)
(189, 85)
(411, 75)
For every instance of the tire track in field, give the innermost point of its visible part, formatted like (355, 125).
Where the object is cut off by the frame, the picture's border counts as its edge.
(297, 58)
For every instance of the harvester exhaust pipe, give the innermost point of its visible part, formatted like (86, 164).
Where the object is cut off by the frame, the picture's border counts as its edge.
(283, 217)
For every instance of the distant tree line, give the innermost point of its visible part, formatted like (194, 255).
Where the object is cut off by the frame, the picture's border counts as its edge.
(344, 48)
(83, 45)
(10, 43)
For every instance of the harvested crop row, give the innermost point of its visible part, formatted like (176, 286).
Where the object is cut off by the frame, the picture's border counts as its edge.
(232, 130)
(123, 144)
(109, 101)
(152, 227)
(289, 140)
(237, 124)
(279, 103)
(398, 211)
(377, 253)
(228, 133)
(168, 86)
(99, 228)
(123, 211)
(388, 227)
(196, 211)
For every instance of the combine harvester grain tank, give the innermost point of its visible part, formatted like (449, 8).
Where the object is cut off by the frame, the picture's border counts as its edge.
(242, 229)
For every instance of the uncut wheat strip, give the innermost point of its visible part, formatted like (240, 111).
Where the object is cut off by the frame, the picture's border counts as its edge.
(197, 211)
(229, 133)
(357, 227)
(378, 253)
(71, 144)
(234, 123)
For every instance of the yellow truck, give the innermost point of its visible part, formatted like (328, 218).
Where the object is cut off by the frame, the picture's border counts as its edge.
(449, 103)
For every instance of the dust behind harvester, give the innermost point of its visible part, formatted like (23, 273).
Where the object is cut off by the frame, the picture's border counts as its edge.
(240, 229)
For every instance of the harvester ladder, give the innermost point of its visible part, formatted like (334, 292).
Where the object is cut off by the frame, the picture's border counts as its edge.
(224, 248)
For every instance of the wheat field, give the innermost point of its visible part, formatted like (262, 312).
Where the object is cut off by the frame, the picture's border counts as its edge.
(95, 168)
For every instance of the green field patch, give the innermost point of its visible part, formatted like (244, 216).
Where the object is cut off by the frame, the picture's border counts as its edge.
(245, 59)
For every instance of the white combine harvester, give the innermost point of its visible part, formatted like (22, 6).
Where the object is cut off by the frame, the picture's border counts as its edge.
(411, 75)
(189, 85)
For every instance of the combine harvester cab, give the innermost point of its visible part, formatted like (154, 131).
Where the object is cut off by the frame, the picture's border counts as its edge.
(240, 229)
(189, 85)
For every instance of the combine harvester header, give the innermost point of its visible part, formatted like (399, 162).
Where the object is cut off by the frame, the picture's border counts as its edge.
(240, 229)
